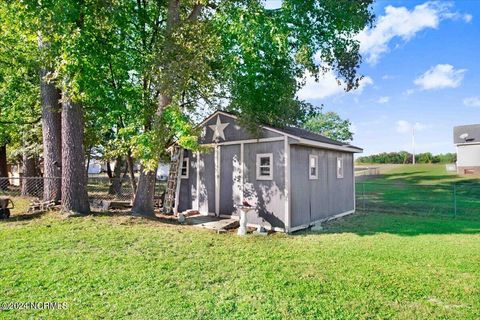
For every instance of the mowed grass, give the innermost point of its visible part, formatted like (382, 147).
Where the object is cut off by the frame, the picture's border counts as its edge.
(421, 189)
(422, 174)
(363, 266)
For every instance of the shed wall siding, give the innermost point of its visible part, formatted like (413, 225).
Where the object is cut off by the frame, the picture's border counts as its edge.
(327, 196)
(269, 195)
(188, 187)
(230, 179)
(207, 182)
(468, 155)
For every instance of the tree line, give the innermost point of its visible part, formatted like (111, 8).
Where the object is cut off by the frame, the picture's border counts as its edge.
(125, 79)
(404, 157)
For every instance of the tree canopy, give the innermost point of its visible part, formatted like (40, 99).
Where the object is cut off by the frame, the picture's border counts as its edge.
(330, 125)
(139, 71)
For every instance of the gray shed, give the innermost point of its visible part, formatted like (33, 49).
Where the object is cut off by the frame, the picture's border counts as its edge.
(296, 178)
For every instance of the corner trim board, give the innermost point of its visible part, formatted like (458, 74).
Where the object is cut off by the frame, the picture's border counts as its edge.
(198, 180)
(287, 185)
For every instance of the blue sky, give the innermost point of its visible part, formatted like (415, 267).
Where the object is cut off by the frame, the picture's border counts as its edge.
(421, 69)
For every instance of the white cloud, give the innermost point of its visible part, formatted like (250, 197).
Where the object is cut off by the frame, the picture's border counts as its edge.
(440, 76)
(327, 86)
(387, 77)
(403, 126)
(383, 100)
(472, 101)
(467, 18)
(408, 92)
(404, 24)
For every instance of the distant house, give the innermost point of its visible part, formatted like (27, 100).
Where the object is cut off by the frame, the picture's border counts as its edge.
(467, 140)
(162, 171)
(294, 177)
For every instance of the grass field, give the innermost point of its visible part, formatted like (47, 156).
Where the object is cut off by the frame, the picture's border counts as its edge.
(364, 266)
(421, 190)
(421, 174)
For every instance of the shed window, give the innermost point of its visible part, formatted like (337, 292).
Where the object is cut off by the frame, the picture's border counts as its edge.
(184, 169)
(313, 167)
(264, 166)
(339, 168)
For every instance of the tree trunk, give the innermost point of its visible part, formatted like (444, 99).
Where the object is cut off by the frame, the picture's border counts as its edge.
(3, 168)
(144, 197)
(52, 136)
(29, 180)
(143, 204)
(109, 169)
(115, 187)
(131, 172)
(74, 178)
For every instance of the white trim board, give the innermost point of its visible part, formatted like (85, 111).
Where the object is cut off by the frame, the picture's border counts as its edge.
(179, 182)
(287, 194)
(217, 179)
(324, 145)
(197, 169)
(242, 171)
(467, 143)
(234, 142)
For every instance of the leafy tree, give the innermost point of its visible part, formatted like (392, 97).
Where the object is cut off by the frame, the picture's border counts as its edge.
(19, 96)
(330, 125)
(249, 58)
(136, 71)
(404, 157)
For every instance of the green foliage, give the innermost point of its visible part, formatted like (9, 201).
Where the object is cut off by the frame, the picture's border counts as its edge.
(404, 157)
(330, 125)
(118, 57)
(19, 84)
(266, 54)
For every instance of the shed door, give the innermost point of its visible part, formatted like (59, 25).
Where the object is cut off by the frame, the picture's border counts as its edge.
(230, 179)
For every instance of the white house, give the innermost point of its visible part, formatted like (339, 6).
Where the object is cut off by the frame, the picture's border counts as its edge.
(467, 140)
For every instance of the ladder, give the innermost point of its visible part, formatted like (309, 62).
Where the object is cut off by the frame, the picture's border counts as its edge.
(173, 184)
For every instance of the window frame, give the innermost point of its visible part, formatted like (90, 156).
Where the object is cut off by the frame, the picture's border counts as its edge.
(185, 176)
(310, 176)
(270, 166)
(340, 168)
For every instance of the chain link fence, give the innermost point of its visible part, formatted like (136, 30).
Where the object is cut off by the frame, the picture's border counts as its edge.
(460, 200)
(104, 193)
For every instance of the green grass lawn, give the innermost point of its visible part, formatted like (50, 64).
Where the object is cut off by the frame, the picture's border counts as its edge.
(421, 189)
(422, 174)
(363, 266)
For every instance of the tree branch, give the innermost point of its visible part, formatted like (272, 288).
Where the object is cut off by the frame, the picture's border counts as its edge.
(197, 9)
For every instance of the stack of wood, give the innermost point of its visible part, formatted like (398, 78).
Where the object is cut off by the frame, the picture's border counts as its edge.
(40, 206)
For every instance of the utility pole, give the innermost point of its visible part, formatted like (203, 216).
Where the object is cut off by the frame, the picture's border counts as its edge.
(413, 143)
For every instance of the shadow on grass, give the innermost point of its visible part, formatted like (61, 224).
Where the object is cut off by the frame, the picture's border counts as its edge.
(170, 219)
(24, 217)
(420, 177)
(397, 224)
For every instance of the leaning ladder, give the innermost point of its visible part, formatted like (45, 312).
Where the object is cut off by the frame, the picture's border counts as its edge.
(171, 200)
